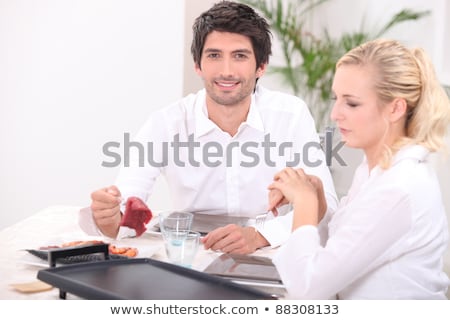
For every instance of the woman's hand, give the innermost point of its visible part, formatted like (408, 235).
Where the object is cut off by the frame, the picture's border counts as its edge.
(317, 184)
(293, 184)
(305, 192)
(276, 200)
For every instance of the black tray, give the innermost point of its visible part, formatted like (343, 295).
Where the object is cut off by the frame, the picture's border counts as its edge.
(144, 278)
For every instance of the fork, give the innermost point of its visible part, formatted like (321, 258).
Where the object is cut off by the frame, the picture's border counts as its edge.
(260, 220)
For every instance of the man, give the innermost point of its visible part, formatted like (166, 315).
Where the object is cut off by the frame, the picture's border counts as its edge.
(220, 148)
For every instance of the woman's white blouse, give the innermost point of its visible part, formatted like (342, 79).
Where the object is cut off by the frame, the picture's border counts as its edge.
(385, 241)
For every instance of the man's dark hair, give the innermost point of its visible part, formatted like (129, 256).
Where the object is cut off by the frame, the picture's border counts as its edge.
(228, 16)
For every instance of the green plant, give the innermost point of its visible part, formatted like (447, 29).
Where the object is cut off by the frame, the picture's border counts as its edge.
(447, 89)
(309, 59)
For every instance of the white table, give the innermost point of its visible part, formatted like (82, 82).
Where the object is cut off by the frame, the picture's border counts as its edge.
(60, 223)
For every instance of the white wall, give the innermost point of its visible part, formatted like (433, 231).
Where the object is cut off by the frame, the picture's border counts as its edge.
(430, 32)
(74, 75)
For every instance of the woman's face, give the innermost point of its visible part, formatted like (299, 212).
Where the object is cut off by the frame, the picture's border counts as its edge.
(357, 111)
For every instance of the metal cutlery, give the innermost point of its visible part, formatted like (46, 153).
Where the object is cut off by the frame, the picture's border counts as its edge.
(260, 220)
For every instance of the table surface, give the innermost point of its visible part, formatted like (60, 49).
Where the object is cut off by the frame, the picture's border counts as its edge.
(58, 224)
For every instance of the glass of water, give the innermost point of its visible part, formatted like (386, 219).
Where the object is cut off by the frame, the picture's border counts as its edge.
(178, 221)
(181, 246)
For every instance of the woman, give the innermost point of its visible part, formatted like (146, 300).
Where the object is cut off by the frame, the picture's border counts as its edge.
(388, 236)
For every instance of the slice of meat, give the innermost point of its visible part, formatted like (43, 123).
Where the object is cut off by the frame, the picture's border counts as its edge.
(136, 216)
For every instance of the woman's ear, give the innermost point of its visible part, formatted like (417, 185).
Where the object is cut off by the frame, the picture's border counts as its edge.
(397, 109)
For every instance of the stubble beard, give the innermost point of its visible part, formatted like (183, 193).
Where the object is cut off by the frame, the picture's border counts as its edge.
(229, 98)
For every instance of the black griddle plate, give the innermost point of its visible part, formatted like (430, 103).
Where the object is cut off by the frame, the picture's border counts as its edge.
(145, 278)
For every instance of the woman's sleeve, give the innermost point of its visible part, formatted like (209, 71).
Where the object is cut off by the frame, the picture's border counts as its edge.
(364, 231)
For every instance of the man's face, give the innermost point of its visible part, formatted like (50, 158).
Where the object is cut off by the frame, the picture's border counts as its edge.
(228, 68)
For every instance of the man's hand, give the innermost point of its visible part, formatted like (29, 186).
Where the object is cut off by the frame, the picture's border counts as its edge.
(105, 208)
(234, 239)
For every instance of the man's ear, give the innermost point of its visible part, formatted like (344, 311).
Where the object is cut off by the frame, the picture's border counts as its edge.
(197, 69)
(397, 109)
(261, 70)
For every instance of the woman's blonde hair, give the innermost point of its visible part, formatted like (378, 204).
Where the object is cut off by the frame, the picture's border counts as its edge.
(408, 74)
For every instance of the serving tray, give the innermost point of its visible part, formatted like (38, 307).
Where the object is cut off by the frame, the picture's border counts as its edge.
(143, 278)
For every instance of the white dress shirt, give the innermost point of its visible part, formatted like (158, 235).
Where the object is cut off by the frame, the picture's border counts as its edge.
(386, 239)
(223, 174)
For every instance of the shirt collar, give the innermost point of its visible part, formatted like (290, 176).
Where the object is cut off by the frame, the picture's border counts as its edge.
(202, 123)
(205, 125)
(414, 152)
(254, 117)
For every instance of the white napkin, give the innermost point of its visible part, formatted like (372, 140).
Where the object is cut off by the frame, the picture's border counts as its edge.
(125, 232)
